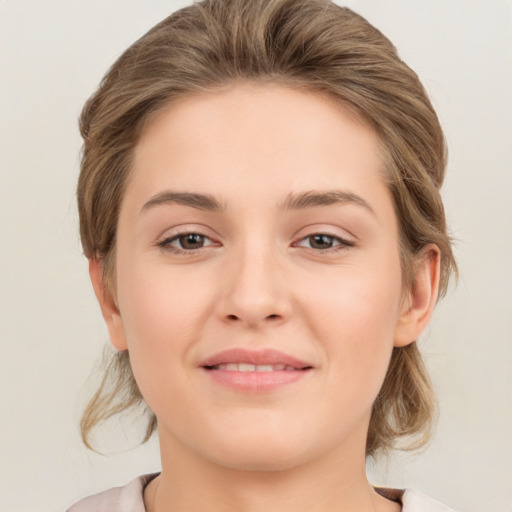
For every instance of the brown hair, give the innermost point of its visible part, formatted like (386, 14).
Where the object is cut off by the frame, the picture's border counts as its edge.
(313, 45)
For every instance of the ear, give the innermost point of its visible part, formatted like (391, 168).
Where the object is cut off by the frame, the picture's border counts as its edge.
(108, 305)
(418, 304)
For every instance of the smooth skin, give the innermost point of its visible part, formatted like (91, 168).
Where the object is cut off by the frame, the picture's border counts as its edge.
(321, 282)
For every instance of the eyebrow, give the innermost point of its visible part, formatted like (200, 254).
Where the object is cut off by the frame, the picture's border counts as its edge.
(314, 198)
(205, 202)
(298, 201)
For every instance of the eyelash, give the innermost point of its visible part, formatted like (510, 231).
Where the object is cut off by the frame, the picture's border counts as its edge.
(343, 244)
(165, 244)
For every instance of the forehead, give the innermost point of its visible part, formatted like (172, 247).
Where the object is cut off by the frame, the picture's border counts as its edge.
(249, 135)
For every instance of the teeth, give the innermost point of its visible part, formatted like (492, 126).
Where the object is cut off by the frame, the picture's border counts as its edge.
(246, 367)
(264, 368)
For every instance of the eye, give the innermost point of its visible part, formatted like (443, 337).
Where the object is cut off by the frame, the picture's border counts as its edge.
(185, 242)
(324, 242)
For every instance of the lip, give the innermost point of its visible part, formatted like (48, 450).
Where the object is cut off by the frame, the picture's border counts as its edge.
(256, 357)
(255, 381)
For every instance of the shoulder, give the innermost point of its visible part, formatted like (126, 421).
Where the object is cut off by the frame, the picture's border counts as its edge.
(413, 501)
(128, 498)
(416, 501)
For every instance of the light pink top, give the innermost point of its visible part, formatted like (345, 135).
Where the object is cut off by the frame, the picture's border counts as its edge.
(129, 498)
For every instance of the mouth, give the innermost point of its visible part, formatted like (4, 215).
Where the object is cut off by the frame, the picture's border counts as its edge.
(247, 367)
(262, 360)
(255, 371)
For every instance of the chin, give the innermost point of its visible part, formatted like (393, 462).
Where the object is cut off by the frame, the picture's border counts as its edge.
(258, 454)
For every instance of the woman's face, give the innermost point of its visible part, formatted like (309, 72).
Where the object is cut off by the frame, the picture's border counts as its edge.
(258, 276)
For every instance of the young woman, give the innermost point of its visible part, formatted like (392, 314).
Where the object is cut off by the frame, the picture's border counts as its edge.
(259, 203)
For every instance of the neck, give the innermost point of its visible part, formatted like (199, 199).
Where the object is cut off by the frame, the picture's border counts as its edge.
(334, 483)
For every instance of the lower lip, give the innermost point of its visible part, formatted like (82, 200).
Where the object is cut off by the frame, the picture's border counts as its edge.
(256, 382)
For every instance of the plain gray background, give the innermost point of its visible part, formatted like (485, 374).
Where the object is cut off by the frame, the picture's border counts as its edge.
(52, 56)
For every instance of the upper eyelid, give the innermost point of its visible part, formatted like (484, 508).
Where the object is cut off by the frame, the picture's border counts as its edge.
(173, 233)
(330, 230)
(316, 228)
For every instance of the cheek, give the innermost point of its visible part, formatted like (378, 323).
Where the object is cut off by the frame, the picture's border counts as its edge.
(161, 316)
(356, 316)
(157, 304)
(358, 302)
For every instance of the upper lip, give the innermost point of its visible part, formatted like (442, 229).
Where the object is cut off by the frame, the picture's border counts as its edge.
(256, 357)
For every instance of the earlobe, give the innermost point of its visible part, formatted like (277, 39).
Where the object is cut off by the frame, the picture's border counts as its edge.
(419, 305)
(108, 305)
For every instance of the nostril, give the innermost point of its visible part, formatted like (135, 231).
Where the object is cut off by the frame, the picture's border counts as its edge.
(232, 317)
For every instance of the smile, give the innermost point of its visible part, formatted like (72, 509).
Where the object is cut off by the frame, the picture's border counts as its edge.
(246, 367)
(255, 371)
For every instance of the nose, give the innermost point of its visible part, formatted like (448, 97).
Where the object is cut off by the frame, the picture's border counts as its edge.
(254, 291)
